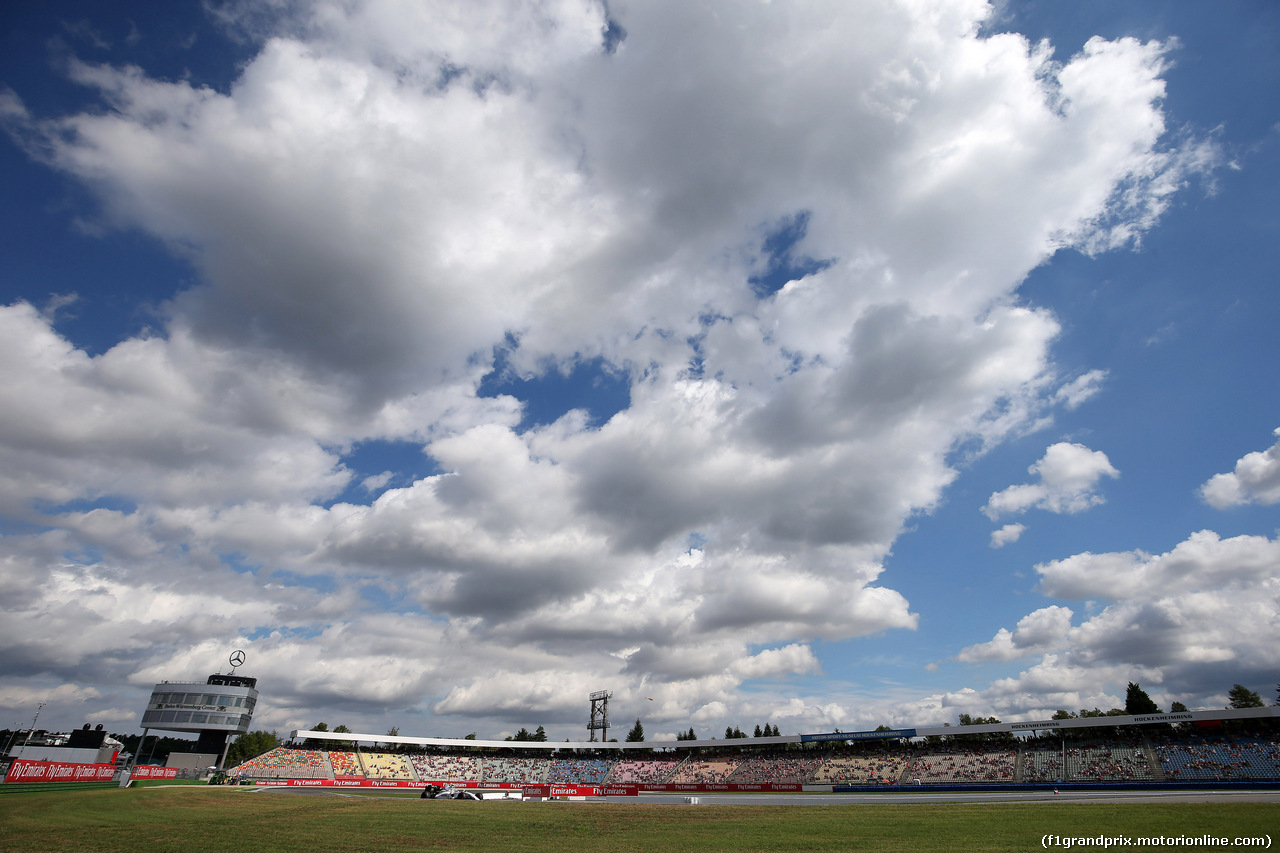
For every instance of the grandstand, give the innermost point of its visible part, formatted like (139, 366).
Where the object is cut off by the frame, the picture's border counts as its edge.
(652, 771)
(578, 771)
(965, 765)
(774, 768)
(1219, 758)
(1119, 759)
(286, 763)
(862, 770)
(346, 765)
(696, 771)
(1115, 760)
(446, 768)
(513, 770)
(1153, 749)
(385, 765)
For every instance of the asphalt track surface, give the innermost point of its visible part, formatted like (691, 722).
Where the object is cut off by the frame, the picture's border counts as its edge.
(971, 797)
(992, 797)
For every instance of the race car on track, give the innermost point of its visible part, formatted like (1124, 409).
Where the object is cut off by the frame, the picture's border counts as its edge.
(448, 792)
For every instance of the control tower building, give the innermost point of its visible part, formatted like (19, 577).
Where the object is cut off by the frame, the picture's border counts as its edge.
(215, 710)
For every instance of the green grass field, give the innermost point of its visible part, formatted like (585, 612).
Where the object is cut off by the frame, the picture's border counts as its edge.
(230, 819)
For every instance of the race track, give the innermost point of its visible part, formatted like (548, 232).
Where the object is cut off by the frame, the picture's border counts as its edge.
(1180, 796)
(992, 797)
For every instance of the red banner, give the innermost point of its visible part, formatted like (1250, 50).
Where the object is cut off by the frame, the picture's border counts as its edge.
(727, 787)
(339, 783)
(384, 783)
(153, 771)
(23, 770)
(544, 790)
(581, 790)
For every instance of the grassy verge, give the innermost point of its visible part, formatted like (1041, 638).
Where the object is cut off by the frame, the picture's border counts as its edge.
(147, 820)
(157, 783)
(43, 787)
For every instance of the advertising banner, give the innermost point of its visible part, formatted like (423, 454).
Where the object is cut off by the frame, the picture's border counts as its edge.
(613, 790)
(153, 771)
(842, 736)
(727, 787)
(580, 790)
(23, 770)
(545, 790)
(328, 783)
(339, 783)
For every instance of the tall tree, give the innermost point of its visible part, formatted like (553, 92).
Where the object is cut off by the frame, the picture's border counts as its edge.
(250, 745)
(540, 735)
(1242, 697)
(636, 735)
(318, 727)
(1136, 701)
(524, 735)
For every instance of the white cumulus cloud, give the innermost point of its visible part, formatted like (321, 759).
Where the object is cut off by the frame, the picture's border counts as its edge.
(1068, 478)
(1256, 479)
(1007, 534)
(1186, 623)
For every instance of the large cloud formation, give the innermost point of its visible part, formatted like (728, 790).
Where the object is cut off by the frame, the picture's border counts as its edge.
(1171, 621)
(796, 230)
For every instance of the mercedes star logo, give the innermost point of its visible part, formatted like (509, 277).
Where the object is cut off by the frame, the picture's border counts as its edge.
(237, 658)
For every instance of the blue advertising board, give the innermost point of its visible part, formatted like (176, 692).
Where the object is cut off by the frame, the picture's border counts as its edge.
(880, 735)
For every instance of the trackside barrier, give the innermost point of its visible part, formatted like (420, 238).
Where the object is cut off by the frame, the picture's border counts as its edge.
(380, 783)
(546, 791)
(1062, 786)
(566, 790)
(23, 770)
(339, 783)
(713, 787)
(153, 771)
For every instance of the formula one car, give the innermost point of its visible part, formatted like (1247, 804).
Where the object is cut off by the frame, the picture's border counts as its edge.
(448, 792)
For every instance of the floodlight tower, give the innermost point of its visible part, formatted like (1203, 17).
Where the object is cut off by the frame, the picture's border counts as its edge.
(599, 715)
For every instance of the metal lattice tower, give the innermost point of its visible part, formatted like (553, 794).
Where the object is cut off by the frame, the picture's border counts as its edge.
(599, 715)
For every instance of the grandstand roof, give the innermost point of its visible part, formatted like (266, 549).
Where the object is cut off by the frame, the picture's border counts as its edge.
(923, 731)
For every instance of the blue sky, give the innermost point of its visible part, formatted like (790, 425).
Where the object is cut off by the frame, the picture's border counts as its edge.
(835, 368)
